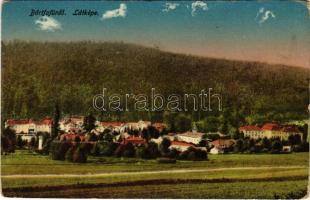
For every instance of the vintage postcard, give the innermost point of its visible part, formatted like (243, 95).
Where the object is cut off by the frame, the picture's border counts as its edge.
(155, 99)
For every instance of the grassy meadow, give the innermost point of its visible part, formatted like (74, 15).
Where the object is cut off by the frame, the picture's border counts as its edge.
(225, 176)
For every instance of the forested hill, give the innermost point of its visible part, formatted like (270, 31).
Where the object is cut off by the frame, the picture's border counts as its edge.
(36, 75)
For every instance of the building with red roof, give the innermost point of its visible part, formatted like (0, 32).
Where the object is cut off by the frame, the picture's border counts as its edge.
(252, 131)
(270, 130)
(223, 143)
(116, 126)
(71, 137)
(193, 137)
(271, 127)
(140, 125)
(180, 146)
(134, 140)
(29, 126)
(159, 126)
(72, 122)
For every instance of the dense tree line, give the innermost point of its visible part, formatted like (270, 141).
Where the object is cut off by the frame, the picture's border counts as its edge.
(37, 76)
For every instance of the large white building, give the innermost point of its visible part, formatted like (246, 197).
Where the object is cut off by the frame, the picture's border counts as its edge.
(270, 130)
(112, 126)
(29, 126)
(69, 124)
(190, 137)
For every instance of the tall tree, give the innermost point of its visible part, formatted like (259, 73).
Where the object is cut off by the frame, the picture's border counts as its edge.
(89, 123)
(55, 124)
(183, 123)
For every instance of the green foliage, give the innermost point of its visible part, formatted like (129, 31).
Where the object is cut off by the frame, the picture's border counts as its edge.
(239, 146)
(104, 148)
(193, 154)
(8, 141)
(31, 86)
(58, 150)
(152, 150)
(148, 151)
(212, 124)
(77, 139)
(164, 146)
(294, 139)
(32, 143)
(47, 146)
(79, 155)
(91, 137)
(150, 132)
(266, 143)
(183, 123)
(276, 146)
(237, 134)
(89, 123)
(55, 125)
(19, 142)
(141, 152)
(126, 150)
(173, 153)
(203, 143)
(169, 119)
(212, 136)
(69, 154)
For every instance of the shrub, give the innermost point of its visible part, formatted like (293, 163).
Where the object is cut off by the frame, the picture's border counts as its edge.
(58, 150)
(201, 154)
(87, 147)
(276, 146)
(126, 150)
(193, 154)
(46, 146)
(91, 137)
(141, 152)
(183, 155)
(32, 143)
(79, 155)
(152, 150)
(129, 150)
(164, 146)
(148, 151)
(69, 154)
(8, 141)
(19, 141)
(104, 148)
(173, 153)
(77, 139)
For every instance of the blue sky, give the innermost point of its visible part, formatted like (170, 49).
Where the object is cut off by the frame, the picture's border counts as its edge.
(268, 31)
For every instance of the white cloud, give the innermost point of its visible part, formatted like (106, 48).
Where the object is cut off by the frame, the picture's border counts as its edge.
(170, 6)
(46, 23)
(264, 15)
(261, 10)
(198, 5)
(120, 12)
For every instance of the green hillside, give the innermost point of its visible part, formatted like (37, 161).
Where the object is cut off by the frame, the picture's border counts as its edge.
(36, 75)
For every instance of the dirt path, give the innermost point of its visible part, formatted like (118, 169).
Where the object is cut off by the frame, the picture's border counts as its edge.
(146, 172)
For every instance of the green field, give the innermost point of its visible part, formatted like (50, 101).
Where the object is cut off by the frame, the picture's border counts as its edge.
(222, 176)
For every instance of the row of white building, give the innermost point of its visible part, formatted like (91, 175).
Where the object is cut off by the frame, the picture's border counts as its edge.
(270, 130)
(74, 124)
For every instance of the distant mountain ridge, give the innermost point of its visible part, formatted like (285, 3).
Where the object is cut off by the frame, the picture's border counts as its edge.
(35, 75)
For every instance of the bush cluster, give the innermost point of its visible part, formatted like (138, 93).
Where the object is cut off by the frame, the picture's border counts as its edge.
(63, 150)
